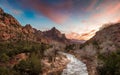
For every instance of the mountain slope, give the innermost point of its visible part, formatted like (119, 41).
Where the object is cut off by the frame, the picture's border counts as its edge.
(105, 43)
(23, 49)
(11, 29)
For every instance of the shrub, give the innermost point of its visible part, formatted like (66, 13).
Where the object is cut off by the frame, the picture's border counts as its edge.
(4, 71)
(111, 64)
(4, 58)
(31, 66)
(70, 47)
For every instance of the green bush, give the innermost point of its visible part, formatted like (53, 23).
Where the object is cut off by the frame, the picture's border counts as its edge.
(32, 66)
(4, 58)
(4, 71)
(70, 47)
(111, 64)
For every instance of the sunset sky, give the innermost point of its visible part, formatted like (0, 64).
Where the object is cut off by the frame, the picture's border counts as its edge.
(78, 19)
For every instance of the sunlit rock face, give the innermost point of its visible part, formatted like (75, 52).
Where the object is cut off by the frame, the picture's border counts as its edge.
(75, 66)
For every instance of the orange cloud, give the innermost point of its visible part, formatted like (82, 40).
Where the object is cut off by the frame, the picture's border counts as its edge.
(118, 21)
(83, 36)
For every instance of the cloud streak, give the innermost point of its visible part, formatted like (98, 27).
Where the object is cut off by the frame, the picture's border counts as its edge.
(58, 13)
(106, 12)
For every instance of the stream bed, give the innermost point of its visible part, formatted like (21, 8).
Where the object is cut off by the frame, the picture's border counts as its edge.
(75, 66)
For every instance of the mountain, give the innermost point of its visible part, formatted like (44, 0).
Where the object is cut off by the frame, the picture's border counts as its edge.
(55, 34)
(108, 38)
(25, 50)
(11, 29)
(100, 51)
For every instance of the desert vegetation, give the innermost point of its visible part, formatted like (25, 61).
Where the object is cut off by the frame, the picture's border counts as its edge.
(19, 66)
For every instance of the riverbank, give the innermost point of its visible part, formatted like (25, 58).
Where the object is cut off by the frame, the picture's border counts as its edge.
(65, 64)
(56, 67)
(75, 66)
(89, 61)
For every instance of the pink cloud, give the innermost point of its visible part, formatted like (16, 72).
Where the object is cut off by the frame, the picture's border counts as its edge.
(52, 13)
(108, 11)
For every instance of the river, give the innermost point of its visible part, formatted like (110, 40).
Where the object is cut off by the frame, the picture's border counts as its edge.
(75, 66)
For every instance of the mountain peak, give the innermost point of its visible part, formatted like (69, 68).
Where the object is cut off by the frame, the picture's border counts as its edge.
(54, 28)
(28, 26)
(55, 34)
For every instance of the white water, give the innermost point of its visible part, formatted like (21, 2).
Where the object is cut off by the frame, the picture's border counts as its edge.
(75, 66)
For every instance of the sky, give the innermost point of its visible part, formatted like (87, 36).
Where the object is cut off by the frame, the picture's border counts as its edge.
(78, 19)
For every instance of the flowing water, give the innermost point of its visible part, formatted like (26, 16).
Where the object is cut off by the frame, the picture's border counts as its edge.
(75, 66)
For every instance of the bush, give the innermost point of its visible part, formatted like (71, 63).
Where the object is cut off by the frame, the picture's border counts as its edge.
(4, 58)
(111, 64)
(32, 66)
(4, 71)
(70, 47)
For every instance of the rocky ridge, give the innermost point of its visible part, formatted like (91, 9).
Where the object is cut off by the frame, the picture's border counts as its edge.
(11, 29)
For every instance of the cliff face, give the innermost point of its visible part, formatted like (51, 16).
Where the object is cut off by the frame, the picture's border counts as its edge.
(11, 29)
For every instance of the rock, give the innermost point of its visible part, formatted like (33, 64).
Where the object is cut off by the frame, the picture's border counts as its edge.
(56, 35)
